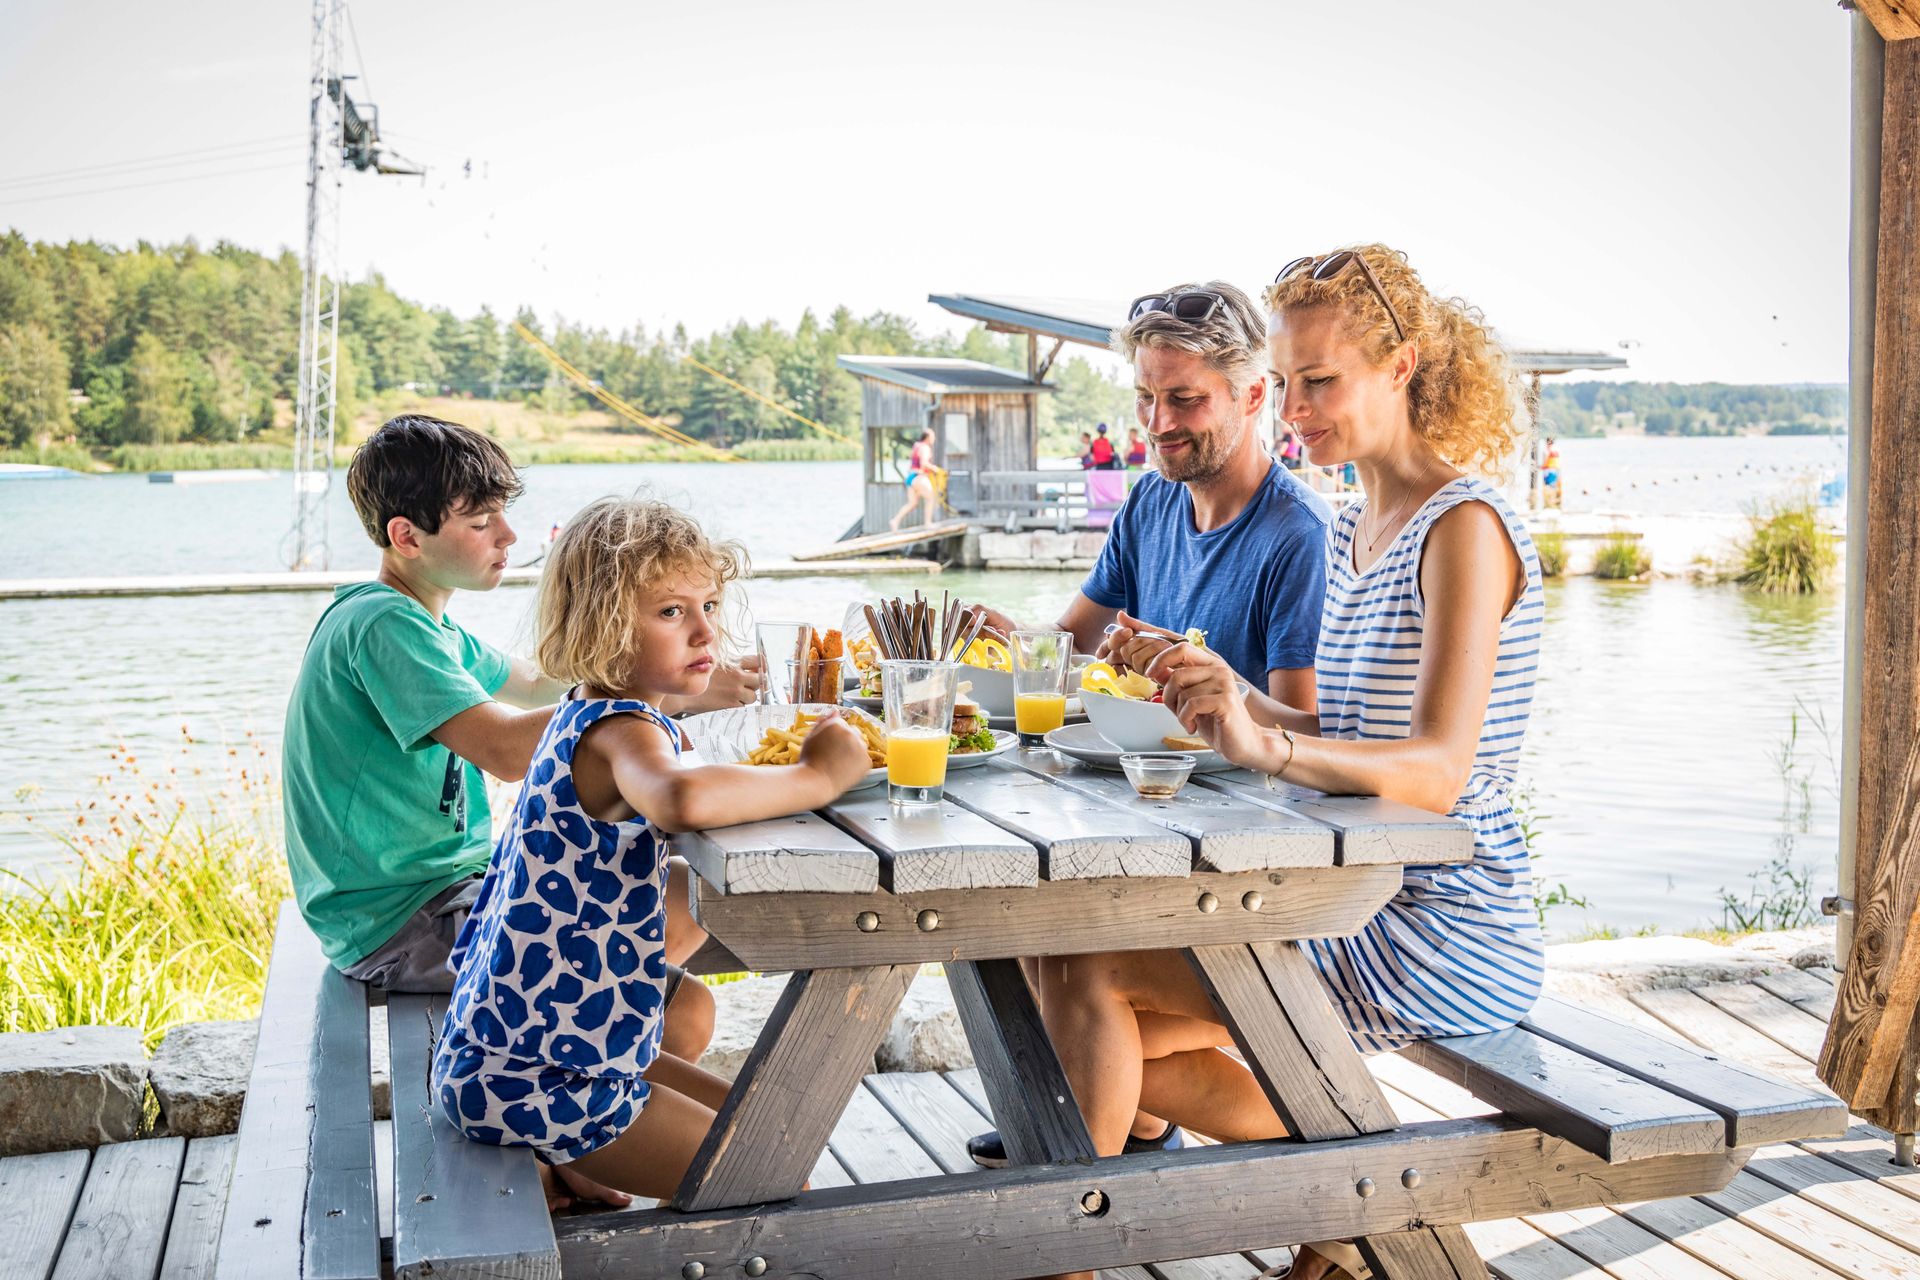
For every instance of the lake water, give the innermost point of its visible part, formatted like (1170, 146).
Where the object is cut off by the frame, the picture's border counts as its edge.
(1654, 764)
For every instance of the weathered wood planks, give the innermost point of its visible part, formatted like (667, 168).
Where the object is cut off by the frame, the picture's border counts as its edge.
(193, 1237)
(120, 1223)
(803, 853)
(461, 1209)
(1757, 1109)
(264, 1234)
(1227, 834)
(807, 1062)
(37, 1197)
(1079, 837)
(778, 931)
(1565, 1093)
(1368, 831)
(938, 847)
(1044, 1219)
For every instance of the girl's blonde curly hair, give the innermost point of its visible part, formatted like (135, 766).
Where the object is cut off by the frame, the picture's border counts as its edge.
(598, 573)
(1465, 397)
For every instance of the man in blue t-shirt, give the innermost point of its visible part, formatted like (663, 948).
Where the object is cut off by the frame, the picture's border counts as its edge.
(1222, 538)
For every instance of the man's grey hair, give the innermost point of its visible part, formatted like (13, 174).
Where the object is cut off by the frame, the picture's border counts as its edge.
(1233, 340)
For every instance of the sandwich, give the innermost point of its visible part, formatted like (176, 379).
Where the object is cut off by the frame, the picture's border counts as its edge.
(970, 731)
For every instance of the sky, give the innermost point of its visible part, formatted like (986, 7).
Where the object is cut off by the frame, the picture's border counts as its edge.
(1667, 174)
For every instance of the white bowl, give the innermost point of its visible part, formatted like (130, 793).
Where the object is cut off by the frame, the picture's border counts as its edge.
(1130, 725)
(993, 690)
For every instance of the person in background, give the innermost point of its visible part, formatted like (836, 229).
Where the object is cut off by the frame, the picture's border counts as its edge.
(1101, 452)
(1136, 448)
(1550, 490)
(1086, 450)
(920, 491)
(1290, 451)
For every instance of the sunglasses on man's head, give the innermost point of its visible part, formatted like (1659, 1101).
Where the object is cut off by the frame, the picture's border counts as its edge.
(1196, 307)
(1332, 265)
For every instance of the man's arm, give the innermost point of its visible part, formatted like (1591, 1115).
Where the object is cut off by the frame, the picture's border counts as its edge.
(1086, 620)
(1295, 688)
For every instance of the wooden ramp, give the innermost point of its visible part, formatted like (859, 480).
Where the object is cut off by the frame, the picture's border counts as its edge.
(1816, 1210)
(877, 543)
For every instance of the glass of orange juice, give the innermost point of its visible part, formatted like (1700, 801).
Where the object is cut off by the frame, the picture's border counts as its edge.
(1040, 661)
(918, 701)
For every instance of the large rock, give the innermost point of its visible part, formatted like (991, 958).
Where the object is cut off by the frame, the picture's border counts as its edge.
(200, 1076)
(740, 1010)
(75, 1087)
(926, 1034)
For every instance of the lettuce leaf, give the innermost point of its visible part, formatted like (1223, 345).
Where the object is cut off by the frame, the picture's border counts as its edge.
(980, 740)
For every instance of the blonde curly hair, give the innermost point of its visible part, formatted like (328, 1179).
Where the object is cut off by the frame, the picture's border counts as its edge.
(1465, 397)
(598, 572)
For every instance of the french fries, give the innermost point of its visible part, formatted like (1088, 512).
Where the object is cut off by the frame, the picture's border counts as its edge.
(782, 746)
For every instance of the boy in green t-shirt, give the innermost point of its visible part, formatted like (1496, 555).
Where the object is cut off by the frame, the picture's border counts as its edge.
(397, 710)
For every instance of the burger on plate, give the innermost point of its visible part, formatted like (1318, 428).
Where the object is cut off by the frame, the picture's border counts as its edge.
(970, 731)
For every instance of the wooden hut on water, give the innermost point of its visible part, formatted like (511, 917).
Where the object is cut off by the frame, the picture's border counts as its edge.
(985, 419)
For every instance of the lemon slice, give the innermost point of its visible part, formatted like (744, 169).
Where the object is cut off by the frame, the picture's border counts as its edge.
(988, 653)
(1101, 678)
(1138, 687)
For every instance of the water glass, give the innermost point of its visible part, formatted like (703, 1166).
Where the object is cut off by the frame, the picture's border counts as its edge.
(918, 702)
(778, 644)
(816, 681)
(1040, 663)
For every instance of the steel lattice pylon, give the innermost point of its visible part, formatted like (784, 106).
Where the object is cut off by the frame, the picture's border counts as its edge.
(319, 297)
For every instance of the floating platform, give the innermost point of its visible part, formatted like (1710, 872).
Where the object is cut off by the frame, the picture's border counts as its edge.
(216, 584)
(898, 540)
(224, 475)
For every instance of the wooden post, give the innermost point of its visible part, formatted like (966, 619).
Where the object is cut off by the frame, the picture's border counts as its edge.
(1872, 1057)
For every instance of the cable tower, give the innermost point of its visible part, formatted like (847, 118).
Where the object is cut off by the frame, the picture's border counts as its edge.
(339, 133)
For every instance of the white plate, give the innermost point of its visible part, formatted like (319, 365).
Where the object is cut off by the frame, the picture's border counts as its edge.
(1083, 743)
(727, 736)
(1003, 742)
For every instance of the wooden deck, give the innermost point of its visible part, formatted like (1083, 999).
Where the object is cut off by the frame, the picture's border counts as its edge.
(1800, 1211)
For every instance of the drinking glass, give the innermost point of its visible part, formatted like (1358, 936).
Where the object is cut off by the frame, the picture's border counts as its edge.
(816, 681)
(779, 643)
(918, 701)
(1040, 662)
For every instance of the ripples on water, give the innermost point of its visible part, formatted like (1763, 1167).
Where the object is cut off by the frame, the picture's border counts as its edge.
(1651, 761)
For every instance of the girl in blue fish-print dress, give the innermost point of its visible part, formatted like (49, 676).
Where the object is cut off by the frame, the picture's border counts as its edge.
(552, 1039)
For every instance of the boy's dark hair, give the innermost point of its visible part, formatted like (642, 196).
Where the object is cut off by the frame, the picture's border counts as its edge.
(425, 469)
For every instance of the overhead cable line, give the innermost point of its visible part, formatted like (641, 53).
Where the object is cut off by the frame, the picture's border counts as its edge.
(112, 168)
(615, 403)
(770, 403)
(7, 201)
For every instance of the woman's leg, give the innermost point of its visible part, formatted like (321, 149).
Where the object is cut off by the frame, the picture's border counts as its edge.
(913, 500)
(1092, 1006)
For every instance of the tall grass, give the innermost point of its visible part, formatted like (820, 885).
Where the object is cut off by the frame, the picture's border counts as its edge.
(1551, 547)
(1787, 549)
(71, 456)
(168, 914)
(201, 457)
(796, 450)
(1621, 556)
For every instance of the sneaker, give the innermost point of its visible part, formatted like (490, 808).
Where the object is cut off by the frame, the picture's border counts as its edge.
(987, 1151)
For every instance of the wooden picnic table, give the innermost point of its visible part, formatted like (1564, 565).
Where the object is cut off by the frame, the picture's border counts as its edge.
(1037, 855)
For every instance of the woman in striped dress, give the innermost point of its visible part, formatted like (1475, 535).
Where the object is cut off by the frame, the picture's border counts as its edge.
(1429, 641)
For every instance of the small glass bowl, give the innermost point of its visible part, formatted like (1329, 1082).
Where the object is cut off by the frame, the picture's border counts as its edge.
(1158, 776)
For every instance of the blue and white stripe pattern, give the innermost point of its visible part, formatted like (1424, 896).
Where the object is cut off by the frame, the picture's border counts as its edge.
(1458, 949)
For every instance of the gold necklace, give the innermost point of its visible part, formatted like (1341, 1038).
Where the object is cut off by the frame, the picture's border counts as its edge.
(1380, 529)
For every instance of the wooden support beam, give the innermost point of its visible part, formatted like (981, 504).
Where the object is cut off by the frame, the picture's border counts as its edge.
(1046, 365)
(1893, 19)
(1871, 1057)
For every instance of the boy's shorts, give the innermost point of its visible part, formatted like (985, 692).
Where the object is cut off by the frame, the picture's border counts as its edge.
(417, 957)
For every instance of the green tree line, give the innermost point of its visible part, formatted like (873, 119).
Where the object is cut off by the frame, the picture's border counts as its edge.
(156, 344)
(1691, 408)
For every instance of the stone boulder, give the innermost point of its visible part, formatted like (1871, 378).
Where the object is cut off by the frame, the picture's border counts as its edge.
(74, 1087)
(200, 1076)
(926, 1034)
(740, 1010)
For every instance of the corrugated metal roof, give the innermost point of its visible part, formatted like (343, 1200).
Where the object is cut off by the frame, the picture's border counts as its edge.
(1090, 321)
(941, 374)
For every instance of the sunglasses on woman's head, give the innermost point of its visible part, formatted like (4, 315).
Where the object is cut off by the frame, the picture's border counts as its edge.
(1196, 307)
(1331, 266)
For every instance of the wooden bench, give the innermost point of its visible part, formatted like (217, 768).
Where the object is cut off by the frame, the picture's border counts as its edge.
(302, 1201)
(1625, 1094)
